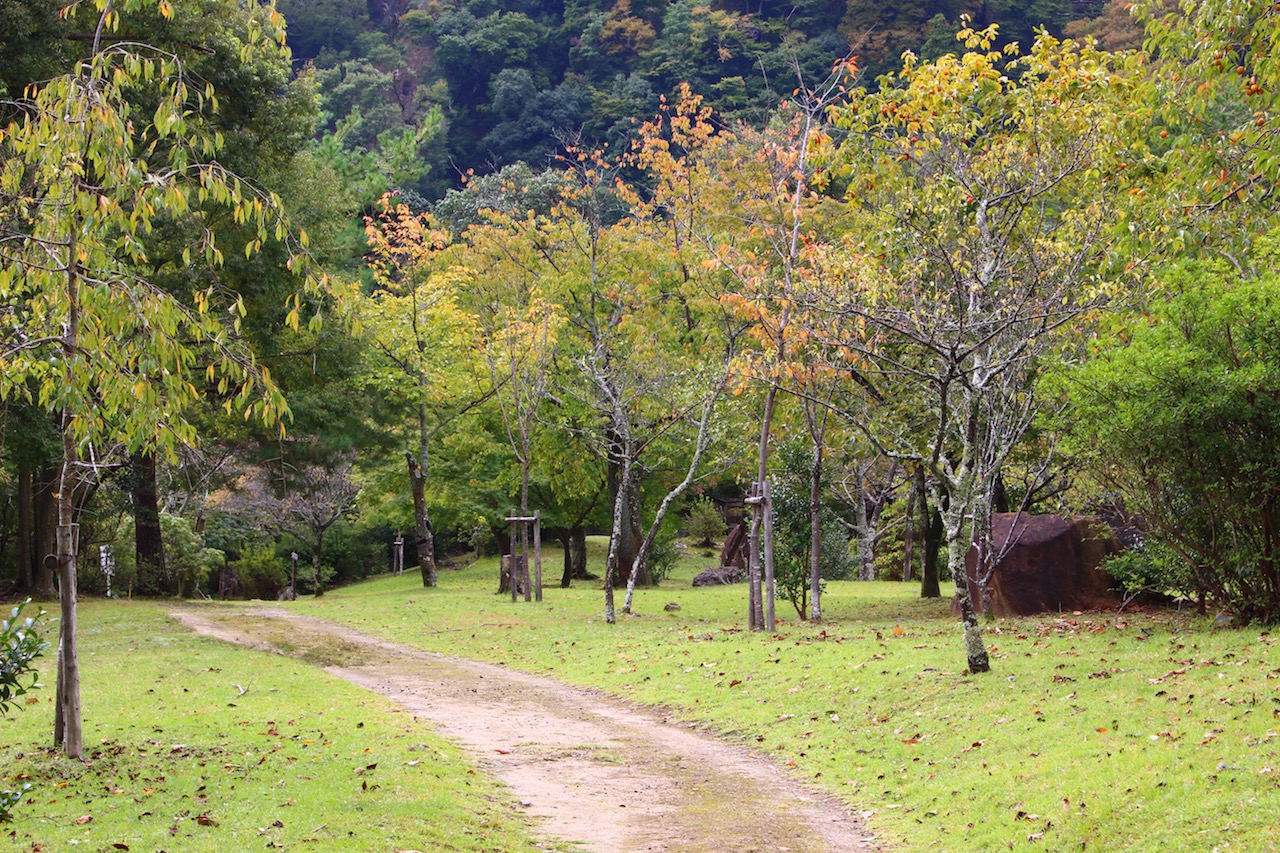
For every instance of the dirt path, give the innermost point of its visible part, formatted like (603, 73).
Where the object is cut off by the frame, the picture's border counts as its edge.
(593, 770)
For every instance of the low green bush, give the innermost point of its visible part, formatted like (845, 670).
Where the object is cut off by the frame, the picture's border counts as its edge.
(20, 645)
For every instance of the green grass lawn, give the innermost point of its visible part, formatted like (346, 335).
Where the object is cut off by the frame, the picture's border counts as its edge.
(1092, 732)
(196, 745)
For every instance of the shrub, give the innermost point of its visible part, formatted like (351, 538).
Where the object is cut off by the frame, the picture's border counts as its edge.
(187, 561)
(20, 645)
(704, 523)
(260, 573)
(1179, 416)
(663, 554)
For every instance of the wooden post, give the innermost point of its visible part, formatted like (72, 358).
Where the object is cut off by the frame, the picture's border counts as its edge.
(524, 549)
(293, 576)
(398, 566)
(68, 545)
(755, 617)
(766, 505)
(537, 555)
(512, 571)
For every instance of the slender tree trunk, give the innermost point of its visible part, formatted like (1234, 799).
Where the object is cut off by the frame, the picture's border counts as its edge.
(755, 618)
(317, 580)
(985, 558)
(146, 524)
(960, 499)
(72, 740)
(931, 527)
(566, 542)
(757, 517)
(46, 524)
(815, 533)
(863, 528)
(615, 541)
(578, 546)
(424, 541)
(908, 533)
(26, 578)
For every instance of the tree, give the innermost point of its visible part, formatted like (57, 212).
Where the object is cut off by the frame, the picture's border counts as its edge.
(420, 344)
(518, 330)
(311, 501)
(83, 333)
(650, 346)
(986, 184)
(747, 204)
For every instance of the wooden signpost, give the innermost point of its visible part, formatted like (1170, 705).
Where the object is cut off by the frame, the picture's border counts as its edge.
(519, 568)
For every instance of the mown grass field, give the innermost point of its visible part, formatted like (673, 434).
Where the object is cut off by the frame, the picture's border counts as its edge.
(1094, 731)
(196, 745)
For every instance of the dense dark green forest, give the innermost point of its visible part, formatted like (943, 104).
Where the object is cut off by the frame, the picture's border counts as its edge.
(515, 81)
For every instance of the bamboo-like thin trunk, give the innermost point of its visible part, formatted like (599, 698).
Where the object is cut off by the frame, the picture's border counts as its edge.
(815, 534)
(770, 617)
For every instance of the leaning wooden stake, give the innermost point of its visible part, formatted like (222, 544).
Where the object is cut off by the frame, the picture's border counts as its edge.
(755, 618)
(770, 621)
(512, 575)
(537, 555)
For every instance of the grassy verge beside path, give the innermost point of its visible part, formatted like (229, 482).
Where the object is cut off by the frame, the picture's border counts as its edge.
(1092, 732)
(195, 745)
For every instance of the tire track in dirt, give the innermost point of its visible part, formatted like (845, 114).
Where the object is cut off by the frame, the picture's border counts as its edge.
(594, 771)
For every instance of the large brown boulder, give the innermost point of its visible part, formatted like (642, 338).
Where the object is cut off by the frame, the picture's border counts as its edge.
(1050, 564)
(718, 576)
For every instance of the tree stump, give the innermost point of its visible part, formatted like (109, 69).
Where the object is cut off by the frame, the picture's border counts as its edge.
(504, 574)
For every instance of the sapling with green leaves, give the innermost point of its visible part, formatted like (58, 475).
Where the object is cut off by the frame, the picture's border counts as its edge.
(85, 176)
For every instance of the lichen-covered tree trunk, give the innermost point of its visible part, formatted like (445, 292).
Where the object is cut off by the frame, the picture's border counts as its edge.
(615, 540)
(960, 498)
(423, 539)
(863, 528)
(931, 528)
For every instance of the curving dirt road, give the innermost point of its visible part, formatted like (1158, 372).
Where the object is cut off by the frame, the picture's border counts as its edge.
(595, 771)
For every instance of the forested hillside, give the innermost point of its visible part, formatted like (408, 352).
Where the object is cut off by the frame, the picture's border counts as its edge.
(517, 80)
